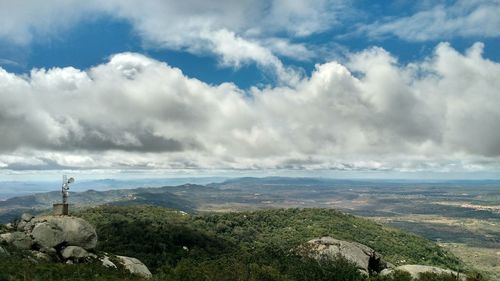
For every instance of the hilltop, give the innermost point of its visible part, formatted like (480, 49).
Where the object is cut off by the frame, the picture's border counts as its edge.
(260, 245)
(462, 216)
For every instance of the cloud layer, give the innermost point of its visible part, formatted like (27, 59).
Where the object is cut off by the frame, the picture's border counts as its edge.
(369, 113)
(462, 18)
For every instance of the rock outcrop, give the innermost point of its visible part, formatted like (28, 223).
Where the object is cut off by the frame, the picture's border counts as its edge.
(51, 234)
(63, 239)
(365, 258)
(135, 266)
(52, 231)
(415, 270)
(75, 253)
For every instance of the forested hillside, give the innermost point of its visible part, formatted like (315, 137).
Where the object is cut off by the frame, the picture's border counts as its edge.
(259, 245)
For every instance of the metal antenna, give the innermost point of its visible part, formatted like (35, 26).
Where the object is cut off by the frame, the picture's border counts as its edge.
(65, 188)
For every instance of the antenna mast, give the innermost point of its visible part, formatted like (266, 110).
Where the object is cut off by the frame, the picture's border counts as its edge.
(63, 209)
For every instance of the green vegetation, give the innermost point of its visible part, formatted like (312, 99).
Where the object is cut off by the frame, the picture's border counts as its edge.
(233, 246)
(20, 266)
(161, 230)
(250, 245)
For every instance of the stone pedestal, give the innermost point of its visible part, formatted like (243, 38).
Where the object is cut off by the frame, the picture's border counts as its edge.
(60, 209)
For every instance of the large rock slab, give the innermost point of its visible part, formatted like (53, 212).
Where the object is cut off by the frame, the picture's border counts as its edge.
(135, 266)
(53, 231)
(365, 258)
(415, 270)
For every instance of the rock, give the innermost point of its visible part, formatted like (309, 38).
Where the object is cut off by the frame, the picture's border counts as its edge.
(365, 258)
(74, 252)
(50, 251)
(47, 236)
(415, 270)
(21, 225)
(18, 239)
(3, 252)
(53, 231)
(106, 262)
(9, 226)
(135, 266)
(26, 217)
(41, 256)
(26, 226)
(5, 237)
(386, 271)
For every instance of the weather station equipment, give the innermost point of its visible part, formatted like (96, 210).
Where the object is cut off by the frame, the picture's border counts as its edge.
(62, 209)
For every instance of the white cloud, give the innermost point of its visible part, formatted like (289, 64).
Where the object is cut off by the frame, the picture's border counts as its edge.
(237, 32)
(136, 112)
(463, 18)
(21, 21)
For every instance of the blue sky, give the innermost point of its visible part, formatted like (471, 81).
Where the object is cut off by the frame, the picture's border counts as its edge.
(90, 42)
(326, 85)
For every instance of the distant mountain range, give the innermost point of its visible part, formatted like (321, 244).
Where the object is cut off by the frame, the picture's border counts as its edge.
(365, 197)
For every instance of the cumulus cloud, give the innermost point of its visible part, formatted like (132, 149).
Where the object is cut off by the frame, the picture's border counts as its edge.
(369, 113)
(463, 18)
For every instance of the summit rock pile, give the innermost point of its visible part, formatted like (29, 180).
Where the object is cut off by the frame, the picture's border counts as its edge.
(64, 239)
(367, 260)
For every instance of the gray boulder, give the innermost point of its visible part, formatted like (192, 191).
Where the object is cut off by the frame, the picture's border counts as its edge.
(50, 251)
(415, 270)
(74, 252)
(52, 231)
(26, 217)
(41, 256)
(365, 258)
(135, 266)
(18, 239)
(21, 225)
(23, 222)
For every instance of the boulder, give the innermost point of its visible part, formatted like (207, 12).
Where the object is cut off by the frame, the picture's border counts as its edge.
(365, 258)
(135, 266)
(18, 239)
(21, 225)
(5, 237)
(74, 252)
(25, 226)
(415, 270)
(52, 231)
(41, 256)
(50, 251)
(26, 217)
(47, 236)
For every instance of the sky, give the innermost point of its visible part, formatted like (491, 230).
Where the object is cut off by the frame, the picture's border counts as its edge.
(276, 87)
